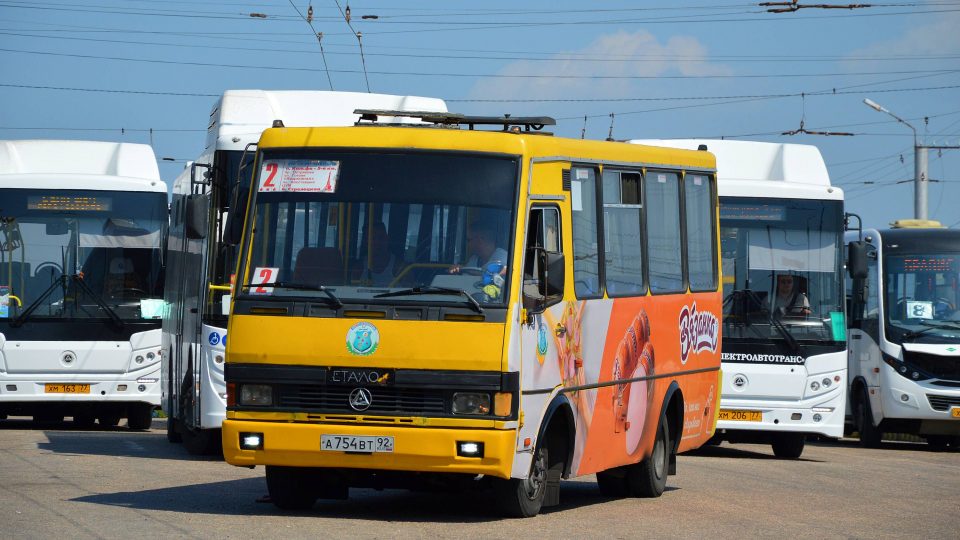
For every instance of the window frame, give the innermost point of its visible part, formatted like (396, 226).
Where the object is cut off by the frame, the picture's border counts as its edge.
(714, 231)
(681, 218)
(644, 276)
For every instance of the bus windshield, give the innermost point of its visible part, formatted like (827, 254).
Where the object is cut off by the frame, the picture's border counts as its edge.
(922, 297)
(78, 253)
(781, 268)
(384, 227)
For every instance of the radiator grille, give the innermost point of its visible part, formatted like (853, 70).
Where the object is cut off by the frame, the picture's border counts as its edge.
(385, 400)
(942, 403)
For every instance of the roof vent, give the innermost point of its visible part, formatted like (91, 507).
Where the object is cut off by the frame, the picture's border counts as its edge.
(702, 147)
(277, 123)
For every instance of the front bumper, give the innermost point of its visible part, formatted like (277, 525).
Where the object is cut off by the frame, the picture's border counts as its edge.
(780, 417)
(418, 449)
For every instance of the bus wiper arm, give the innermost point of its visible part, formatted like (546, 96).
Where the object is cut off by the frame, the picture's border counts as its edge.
(930, 326)
(334, 299)
(96, 298)
(435, 290)
(61, 281)
(775, 322)
(22, 318)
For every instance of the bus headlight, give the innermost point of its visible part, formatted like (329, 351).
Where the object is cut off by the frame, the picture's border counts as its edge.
(471, 403)
(256, 394)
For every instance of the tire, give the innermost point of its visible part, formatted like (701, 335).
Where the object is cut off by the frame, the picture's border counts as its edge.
(139, 416)
(870, 435)
(202, 442)
(613, 485)
(290, 488)
(523, 497)
(109, 419)
(173, 435)
(788, 445)
(649, 477)
(84, 420)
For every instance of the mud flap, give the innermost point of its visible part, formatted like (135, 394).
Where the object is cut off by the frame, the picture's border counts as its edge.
(672, 469)
(552, 495)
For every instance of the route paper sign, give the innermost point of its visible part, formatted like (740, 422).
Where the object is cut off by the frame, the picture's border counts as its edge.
(299, 175)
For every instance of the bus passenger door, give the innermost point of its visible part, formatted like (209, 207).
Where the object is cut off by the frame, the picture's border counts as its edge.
(540, 335)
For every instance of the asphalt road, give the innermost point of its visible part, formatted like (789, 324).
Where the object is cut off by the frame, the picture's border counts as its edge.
(58, 482)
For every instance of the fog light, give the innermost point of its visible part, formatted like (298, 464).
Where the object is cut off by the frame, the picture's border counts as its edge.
(826, 382)
(469, 449)
(218, 359)
(817, 418)
(139, 359)
(142, 388)
(151, 356)
(814, 386)
(471, 403)
(256, 394)
(251, 441)
(904, 397)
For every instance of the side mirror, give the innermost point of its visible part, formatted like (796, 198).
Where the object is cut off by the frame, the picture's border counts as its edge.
(552, 273)
(857, 260)
(233, 230)
(195, 216)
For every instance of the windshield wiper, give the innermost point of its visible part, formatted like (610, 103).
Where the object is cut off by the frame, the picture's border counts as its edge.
(435, 290)
(334, 299)
(61, 282)
(930, 326)
(775, 322)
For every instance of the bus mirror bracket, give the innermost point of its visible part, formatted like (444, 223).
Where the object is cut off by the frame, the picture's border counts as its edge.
(857, 259)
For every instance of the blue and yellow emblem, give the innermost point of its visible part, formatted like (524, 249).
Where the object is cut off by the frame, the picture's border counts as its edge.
(363, 339)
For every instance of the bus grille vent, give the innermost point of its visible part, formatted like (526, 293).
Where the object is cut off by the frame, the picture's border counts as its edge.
(385, 400)
(942, 403)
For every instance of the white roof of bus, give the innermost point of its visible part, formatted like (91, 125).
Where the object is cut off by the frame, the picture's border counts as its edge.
(743, 167)
(59, 164)
(240, 116)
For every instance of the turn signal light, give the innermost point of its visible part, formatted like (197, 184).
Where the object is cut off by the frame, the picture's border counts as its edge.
(502, 403)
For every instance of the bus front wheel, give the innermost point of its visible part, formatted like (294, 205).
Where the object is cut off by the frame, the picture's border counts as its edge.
(290, 488)
(523, 497)
(870, 435)
(140, 416)
(788, 445)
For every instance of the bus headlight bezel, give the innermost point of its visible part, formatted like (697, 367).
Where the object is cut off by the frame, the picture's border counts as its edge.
(255, 395)
(471, 403)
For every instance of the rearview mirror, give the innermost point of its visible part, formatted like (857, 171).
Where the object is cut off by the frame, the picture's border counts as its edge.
(195, 216)
(57, 227)
(233, 231)
(857, 260)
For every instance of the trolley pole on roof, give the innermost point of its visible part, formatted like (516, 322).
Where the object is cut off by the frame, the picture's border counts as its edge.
(921, 177)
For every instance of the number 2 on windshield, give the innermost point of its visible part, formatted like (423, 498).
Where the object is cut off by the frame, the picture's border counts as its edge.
(271, 168)
(263, 275)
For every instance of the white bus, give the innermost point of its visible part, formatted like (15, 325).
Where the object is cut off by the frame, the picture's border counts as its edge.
(905, 333)
(201, 263)
(82, 225)
(784, 341)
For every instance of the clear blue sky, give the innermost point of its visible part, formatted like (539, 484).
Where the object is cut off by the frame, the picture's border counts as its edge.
(666, 68)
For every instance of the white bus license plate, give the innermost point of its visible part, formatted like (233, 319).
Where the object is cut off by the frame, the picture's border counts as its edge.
(351, 443)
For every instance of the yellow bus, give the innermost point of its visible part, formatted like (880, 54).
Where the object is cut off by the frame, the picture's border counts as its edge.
(472, 306)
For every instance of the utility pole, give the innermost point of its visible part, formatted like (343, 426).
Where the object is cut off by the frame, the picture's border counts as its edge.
(920, 176)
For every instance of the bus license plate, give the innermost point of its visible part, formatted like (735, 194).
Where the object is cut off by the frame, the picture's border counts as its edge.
(740, 415)
(54, 388)
(955, 412)
(355, 444)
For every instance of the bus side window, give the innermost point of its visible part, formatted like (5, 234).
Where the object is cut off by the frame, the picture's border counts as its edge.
(662, 201)
(543, 235)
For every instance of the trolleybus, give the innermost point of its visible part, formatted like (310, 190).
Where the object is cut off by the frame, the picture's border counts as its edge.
(81, 281)
(200, 267)
(453, 305)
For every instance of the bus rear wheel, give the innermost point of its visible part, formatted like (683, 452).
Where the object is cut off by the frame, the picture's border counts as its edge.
(290, 488)
(649, 477)
(788, 445)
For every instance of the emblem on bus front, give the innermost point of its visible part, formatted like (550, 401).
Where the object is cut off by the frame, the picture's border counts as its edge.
(363, 339)
(360, 399)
